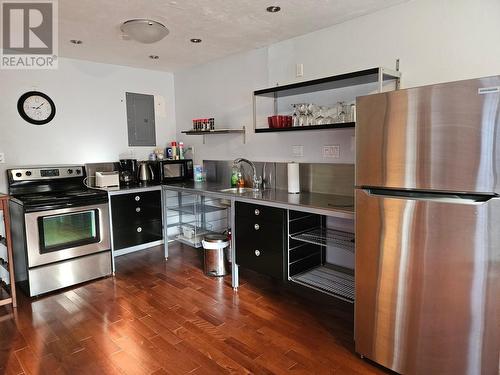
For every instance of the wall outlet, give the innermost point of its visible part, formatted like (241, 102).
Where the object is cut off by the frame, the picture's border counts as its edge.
(298, 150)
(299, 70)
(2, 158)
(331, 151)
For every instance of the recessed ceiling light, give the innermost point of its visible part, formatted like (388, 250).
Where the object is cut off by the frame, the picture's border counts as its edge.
(144, 31)
(273, 9)
(154, 57)
(76, 41)
(195, 40)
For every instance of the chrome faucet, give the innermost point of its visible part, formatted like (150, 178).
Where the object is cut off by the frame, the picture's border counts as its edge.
(256, 181)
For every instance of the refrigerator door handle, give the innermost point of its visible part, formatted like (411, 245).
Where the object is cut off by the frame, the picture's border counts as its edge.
(456, 198)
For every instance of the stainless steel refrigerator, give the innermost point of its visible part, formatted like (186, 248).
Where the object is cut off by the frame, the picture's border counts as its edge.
(428, 228)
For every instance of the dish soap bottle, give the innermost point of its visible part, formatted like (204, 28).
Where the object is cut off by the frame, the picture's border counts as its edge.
(241, 181)
(234, 176)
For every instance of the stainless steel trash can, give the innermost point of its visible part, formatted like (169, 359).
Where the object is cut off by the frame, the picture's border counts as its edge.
(216, 262)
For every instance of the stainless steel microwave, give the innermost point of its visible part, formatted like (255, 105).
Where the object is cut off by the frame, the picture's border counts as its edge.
(176, 170)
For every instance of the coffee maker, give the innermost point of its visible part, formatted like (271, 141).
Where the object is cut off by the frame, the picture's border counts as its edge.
(128, 171)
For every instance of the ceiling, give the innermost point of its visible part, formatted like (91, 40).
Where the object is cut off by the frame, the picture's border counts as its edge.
(225, 26)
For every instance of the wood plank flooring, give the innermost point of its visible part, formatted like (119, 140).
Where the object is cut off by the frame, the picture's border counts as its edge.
(158, 317)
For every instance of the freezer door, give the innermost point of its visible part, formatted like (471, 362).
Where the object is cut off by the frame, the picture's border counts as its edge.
(442, 137)
(427, 284)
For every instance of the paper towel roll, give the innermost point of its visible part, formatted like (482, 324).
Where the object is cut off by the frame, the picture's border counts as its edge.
(293, 178)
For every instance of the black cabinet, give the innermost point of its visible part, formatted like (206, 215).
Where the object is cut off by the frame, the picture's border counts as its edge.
(136, 218)
(260, 238)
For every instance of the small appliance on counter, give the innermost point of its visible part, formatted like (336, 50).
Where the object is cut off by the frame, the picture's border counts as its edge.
(107, 179)
(128, 171)
(176, 170)
(146, 174)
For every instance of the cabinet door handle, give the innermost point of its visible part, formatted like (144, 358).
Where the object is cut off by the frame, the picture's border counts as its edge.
(257, 253)
(137, 209)
(137, 198)
(256, 226)
(257, 212)
(139, 229)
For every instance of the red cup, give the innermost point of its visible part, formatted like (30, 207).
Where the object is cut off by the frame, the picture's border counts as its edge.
(275, 121)
(281, 121)
(270, 121)
(288, 121)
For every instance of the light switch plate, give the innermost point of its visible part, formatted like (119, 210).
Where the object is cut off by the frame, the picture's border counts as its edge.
(298, 150)
(2, 158)
(331, 151)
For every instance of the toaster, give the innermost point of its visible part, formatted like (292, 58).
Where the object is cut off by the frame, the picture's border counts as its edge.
(107, 179)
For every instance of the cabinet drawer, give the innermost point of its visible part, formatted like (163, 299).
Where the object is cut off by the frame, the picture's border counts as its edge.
(264, 260)
(267, 213)
(260, 232)
(144, 205)
(136, 233)
(260, 248)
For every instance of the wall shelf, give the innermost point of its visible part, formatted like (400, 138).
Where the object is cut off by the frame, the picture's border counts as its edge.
(276, 100)
(340, 125)
(216, 132)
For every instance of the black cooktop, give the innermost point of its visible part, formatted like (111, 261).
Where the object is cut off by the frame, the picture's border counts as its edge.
(67, 198)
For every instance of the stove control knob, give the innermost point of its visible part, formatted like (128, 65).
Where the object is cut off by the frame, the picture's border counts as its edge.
(78, 171)
(70, 171)
(28, 173)
(19, 174)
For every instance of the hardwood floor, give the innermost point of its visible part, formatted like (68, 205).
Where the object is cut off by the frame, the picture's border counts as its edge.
(158, 317)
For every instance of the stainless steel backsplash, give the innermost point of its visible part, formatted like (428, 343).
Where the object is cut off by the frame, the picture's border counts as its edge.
(314, 177)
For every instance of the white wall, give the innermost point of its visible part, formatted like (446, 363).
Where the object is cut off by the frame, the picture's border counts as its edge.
(436, 40)
(90, 123)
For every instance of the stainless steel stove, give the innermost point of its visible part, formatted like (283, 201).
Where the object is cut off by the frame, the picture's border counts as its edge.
(60, 228)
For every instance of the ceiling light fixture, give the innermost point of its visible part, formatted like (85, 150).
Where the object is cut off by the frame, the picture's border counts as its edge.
(144, 30)
(76, 41)
(195, 40)
(154, 57)
(273, 9)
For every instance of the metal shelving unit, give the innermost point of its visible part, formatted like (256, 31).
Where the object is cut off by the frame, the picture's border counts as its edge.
(8, 285)
(325, 86)
(189, 216)
(309, 241)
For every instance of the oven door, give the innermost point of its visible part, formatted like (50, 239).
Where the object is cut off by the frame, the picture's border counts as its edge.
(56, 235)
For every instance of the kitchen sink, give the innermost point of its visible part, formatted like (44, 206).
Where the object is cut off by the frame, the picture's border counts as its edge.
(241, 190)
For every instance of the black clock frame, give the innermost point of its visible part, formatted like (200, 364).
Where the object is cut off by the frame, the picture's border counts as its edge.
(20, 108)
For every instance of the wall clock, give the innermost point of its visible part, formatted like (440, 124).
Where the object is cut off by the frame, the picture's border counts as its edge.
(36, 107)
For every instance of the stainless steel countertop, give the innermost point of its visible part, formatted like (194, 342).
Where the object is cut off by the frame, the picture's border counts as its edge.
(125, 189)
(324, 204)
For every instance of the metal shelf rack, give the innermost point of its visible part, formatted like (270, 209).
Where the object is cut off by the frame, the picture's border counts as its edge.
(330, 279)
(320, 253)
(326, 237)
(191, 216)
